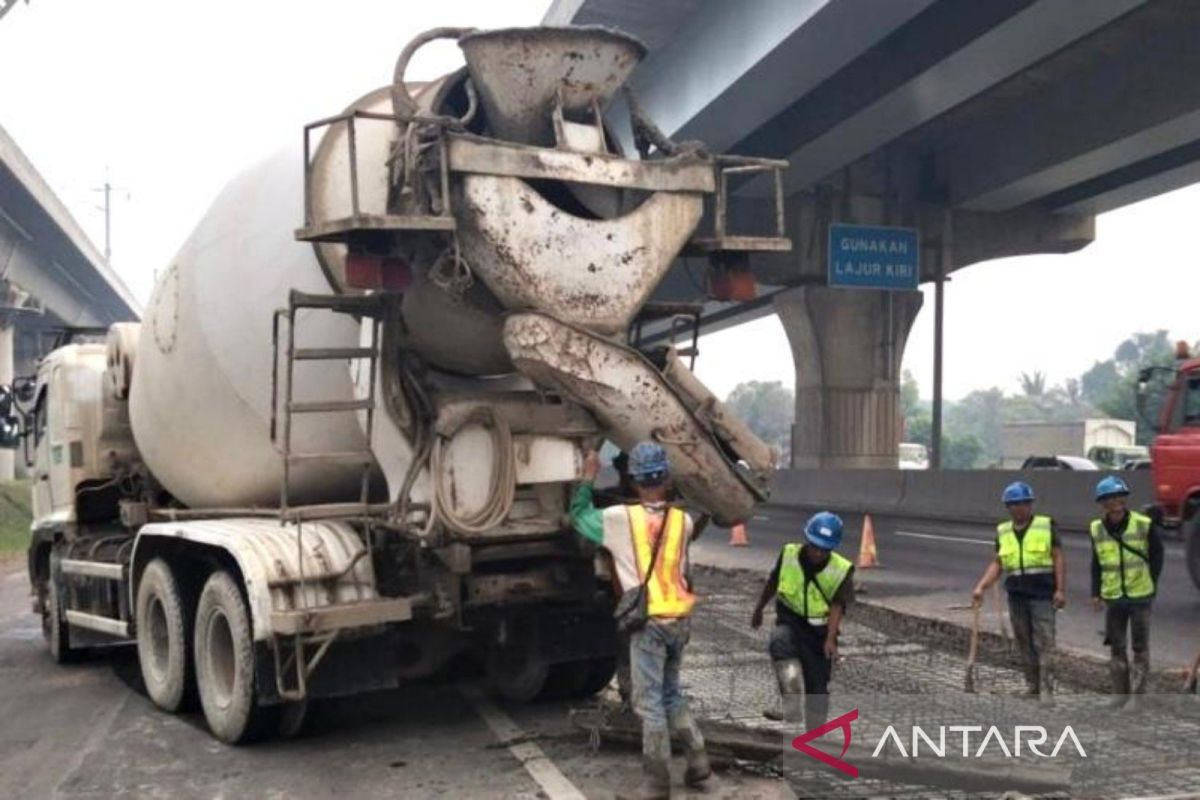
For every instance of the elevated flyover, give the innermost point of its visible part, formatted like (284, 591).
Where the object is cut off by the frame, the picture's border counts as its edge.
(51, 276)
(991, 129)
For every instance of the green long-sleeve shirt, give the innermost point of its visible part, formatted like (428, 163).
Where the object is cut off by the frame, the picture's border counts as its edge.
(586, 519)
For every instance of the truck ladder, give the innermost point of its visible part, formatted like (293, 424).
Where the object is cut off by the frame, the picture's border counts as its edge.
(283, 408)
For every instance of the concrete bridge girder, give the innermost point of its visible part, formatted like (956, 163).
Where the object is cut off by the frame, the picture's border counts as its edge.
(977, 235)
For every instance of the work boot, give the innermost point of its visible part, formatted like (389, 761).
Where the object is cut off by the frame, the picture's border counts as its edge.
(656, 767)
(698, 769)
(790, 677)
(1118, 673)
(1032, 683)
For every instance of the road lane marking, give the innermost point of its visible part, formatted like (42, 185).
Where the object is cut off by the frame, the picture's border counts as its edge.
(941, 537)
(556, 785)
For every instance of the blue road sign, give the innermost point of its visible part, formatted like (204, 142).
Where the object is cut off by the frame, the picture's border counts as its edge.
(873, 257)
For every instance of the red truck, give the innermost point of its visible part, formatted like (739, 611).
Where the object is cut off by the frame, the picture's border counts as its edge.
(1175, 453)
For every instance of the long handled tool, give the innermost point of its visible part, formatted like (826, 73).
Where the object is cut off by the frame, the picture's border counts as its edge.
(969, 678)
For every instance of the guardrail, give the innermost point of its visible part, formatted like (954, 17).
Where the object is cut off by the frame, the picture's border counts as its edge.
(951, 495)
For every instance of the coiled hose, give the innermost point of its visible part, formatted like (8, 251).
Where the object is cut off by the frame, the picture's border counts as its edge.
(503, 485)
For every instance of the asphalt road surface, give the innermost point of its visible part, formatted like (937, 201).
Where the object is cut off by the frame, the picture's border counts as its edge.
(87, 730)
(929, 567)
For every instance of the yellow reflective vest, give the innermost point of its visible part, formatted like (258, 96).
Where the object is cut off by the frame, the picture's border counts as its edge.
(1124, 570)
(810, 599)
(668, 593)
(1031, 554)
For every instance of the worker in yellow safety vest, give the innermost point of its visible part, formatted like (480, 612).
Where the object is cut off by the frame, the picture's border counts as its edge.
(812, 587)
(1127, 558)
(1030, 556)
(648, 541)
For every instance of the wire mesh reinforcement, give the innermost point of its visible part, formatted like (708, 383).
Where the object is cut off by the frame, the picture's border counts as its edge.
(907, 681)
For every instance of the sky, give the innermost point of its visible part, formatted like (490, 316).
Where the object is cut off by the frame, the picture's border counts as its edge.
(169, 100)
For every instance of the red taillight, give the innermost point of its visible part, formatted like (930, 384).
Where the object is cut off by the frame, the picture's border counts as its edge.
(364, 271)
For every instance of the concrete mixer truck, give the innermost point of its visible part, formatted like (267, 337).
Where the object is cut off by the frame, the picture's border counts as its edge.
(331, 458)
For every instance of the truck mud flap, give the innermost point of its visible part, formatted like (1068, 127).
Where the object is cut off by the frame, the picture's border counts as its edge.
(634, 401)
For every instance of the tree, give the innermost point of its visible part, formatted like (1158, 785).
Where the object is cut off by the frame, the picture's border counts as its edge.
(1138, 352)
(1072, 392)
(768, 408)
(1033, 385)
(1099, 382)
(910, 395)
(961, 452)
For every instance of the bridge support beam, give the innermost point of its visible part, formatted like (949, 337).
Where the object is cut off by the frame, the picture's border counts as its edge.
(847, 346)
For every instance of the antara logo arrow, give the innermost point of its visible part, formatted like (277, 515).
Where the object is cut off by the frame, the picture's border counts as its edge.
(801, 743)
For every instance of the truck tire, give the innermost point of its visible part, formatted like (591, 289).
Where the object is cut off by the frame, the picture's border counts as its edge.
(578, 680)
(1191, 532)
(163, 637)
(225, 662)
(516, 674)
(54, 626)
(599, 675)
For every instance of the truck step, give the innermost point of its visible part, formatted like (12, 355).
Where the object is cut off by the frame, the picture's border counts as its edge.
(331, 353)
(344, 615)
(361, 457)
(354, 304)
(95, 622)
(92, 569)
(326, 406)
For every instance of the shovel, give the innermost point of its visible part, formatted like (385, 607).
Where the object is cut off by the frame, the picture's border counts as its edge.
(969, 678)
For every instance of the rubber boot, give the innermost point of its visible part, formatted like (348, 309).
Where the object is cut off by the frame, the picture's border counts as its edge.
(1139, 676)
(1046, 676)
(698, 769)
(1118, 673)
(790, 677)
(656, 767)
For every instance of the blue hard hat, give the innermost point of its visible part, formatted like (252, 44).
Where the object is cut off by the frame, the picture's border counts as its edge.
(824, 530)
(1111, 486)
(648, 463)
(1019, 492)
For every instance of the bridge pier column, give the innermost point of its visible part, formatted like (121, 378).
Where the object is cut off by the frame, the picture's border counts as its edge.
(847, 345)
(7, 457)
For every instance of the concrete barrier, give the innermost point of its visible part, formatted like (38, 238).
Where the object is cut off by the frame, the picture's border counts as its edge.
(952, 495)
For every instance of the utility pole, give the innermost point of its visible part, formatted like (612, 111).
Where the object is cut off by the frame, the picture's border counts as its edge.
(107, 188)
(107, 222)
(945, 259)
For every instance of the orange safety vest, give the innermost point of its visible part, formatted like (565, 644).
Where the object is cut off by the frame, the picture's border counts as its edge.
(668, 593)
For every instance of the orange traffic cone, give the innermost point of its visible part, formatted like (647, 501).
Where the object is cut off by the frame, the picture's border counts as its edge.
(737, 536)
(867, 557)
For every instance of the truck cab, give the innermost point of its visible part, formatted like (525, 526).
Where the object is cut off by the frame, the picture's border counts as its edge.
(63, 454)
(1175, 456)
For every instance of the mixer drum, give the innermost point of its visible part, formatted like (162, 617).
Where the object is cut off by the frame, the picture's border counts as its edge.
(200, 403)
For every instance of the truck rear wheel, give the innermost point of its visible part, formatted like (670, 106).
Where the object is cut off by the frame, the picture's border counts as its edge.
(54, 626)
(1191, 531)
(225, 661)
(516, 673)
(163, 637)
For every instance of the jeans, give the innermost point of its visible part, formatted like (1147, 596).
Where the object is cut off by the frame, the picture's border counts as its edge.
(656, 654)
(808, 645)
(1033, 628)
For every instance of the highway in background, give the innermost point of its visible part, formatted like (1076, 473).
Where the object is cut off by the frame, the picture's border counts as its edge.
(929, 568)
